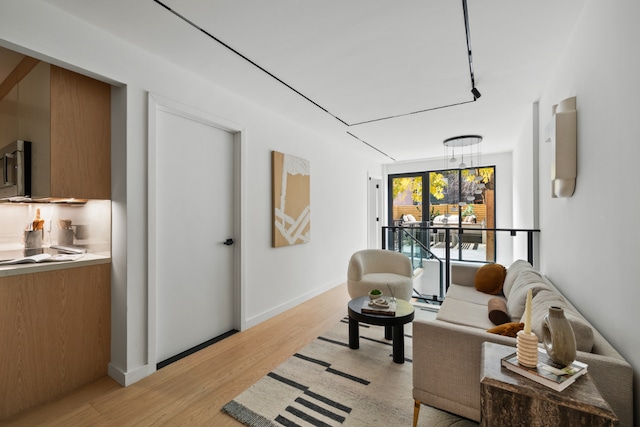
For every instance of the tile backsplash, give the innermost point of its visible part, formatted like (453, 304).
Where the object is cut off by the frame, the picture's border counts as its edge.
(90, 222)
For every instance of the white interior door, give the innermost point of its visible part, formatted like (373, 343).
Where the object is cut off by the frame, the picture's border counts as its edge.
(194, 211)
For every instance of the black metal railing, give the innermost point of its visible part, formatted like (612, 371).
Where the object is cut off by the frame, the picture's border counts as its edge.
(418, 237)
(417, 251)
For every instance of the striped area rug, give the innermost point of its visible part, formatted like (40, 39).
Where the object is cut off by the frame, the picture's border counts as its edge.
(328, 384)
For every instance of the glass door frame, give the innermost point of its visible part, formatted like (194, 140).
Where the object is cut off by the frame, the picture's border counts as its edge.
(390, 219)
(426, 207)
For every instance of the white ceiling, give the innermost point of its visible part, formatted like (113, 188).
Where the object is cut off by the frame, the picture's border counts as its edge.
(352, 64)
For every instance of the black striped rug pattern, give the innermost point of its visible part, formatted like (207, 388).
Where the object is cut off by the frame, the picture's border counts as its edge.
(327, 384)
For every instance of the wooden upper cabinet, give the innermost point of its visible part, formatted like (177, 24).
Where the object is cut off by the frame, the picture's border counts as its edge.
(67, 118)
(80, 136)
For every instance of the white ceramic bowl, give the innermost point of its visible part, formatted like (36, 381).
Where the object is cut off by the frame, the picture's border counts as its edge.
(376, 296)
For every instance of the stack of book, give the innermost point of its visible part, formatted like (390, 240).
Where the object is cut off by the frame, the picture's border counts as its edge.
(547, 372)
(380, 306)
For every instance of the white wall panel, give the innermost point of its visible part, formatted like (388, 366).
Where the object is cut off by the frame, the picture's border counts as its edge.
(590, 242)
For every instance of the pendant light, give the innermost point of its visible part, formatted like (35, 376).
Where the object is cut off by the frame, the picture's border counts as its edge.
(462, 142)
(462, 164)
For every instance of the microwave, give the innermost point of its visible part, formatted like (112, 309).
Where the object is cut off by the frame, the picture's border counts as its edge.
(15, 170)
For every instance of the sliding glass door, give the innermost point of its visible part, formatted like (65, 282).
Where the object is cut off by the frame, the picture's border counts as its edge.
(461, 201)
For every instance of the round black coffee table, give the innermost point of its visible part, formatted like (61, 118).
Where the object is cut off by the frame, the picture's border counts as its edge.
(393, 325)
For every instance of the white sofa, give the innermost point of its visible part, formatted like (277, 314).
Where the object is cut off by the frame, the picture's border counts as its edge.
(447, 351)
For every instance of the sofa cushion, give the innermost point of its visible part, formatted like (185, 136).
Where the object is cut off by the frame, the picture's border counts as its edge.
(518, 294)
(581, 328)
(408, 218)
(513, 271)
(498, 311)
(489, 278)
(469, 293)
(464, 313)
(510, 329)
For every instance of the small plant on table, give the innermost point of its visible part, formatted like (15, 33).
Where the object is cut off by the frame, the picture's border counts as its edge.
(375, 294)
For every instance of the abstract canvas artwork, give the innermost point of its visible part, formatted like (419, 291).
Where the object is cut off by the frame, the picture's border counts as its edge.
(291, 187)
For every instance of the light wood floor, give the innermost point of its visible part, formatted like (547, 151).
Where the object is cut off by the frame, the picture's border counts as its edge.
(191, 392)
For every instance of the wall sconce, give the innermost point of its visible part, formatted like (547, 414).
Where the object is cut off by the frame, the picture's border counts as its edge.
(562, 134)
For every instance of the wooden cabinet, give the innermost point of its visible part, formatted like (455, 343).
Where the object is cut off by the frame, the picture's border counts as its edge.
(55, 330)
(80, 136)
(55, 325)
(67, 117)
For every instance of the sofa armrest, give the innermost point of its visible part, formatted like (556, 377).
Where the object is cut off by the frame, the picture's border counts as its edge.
(446, 365)
(614, 378)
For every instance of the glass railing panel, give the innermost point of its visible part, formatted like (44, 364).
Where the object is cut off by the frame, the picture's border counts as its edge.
(414, 242)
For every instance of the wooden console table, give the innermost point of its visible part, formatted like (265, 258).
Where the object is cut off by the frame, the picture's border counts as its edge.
(509, 399)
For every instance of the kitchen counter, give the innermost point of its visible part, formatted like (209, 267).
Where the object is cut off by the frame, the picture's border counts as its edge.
(86, 259)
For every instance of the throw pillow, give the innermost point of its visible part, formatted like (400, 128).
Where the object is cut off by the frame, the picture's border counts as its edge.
(510, 329)
(498, 311)
(513, 272)
(489, 278)
(518, 295)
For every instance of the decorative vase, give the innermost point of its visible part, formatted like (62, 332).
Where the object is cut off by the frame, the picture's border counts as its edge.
(558, 337)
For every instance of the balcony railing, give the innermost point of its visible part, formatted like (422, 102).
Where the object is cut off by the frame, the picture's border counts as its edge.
(424, 242)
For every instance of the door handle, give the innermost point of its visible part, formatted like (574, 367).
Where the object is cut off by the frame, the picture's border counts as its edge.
(228, 242)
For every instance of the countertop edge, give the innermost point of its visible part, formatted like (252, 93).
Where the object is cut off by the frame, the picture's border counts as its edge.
(86, 260)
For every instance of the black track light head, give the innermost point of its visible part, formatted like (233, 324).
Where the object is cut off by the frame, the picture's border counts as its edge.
(475, 92)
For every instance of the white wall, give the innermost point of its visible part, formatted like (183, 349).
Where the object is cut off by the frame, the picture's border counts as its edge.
(273, 279)
(591, 241)
(504, 193)
(525, 186)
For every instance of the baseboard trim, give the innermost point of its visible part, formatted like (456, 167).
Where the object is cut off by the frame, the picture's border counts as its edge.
(261, 317)
(127, 378)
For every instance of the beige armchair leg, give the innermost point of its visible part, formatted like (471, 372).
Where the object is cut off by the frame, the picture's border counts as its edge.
(416, 411)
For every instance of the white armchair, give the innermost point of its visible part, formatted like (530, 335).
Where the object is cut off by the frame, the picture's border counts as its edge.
(378, 268)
